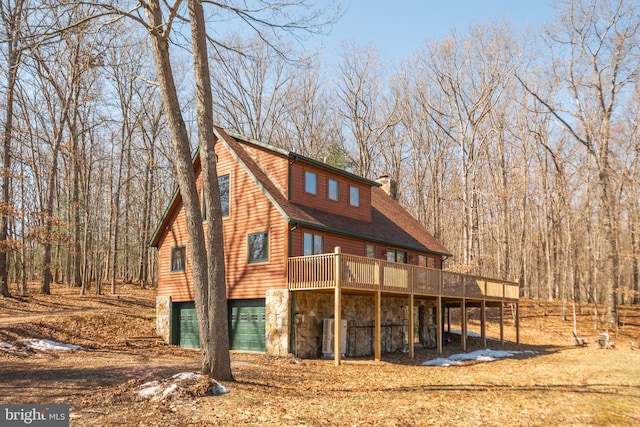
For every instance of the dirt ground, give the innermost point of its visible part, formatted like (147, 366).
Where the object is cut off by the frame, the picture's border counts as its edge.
(551, 382)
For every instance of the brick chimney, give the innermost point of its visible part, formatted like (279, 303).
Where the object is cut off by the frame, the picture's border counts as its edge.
(388, 185)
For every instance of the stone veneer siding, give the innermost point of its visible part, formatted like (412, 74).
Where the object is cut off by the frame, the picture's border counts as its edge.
(311, 308)
(277, 322)
(163, 317)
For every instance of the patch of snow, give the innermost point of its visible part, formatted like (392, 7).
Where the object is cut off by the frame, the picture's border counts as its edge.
(486, 355)
(469, 333)
(49, 345)
(218, 389)
(163, 389)
(183, 376)
(6, 346)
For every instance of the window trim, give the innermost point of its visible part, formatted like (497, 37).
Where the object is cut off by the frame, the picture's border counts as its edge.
(314, 236)
(263, 259)
(307, 175)
(375, 251)
(351, 194)
(203, 206)
(172, 259)
(228, 175)
(329, 181)
(395, 253)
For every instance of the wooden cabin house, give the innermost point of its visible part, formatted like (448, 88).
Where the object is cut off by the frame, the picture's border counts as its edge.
(319, 262)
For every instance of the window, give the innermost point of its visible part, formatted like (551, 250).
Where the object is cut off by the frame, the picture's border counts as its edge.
(310, 182)
(177, 258)
(313, 244)
(354, 196)
(258, 247)
(371, 251)
(422, 260)
(431, 262)
(223, 184)
(332, 189)
(394, 255)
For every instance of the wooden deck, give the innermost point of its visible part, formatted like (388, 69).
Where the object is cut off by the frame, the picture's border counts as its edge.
(340, 273)
(355, 273)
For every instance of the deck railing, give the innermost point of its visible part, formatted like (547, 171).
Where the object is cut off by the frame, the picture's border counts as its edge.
(368, 274)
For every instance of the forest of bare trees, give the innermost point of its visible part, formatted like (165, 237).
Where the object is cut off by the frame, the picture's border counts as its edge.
(519, 151)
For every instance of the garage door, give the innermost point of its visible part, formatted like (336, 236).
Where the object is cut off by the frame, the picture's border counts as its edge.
(247, 325)
(187, 327)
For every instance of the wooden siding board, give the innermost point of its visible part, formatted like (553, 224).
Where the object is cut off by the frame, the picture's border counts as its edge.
(321, 200)
(250, 211)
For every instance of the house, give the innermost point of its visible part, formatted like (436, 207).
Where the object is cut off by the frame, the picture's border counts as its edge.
(319, 261)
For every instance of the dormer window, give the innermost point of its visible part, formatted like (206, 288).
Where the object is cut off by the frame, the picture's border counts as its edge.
(354, 196)
(310, 182)
(332, 188)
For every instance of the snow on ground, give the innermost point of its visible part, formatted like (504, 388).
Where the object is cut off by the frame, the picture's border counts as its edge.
(49, 345)
(6, 346)
(162, 389)
(486, 355)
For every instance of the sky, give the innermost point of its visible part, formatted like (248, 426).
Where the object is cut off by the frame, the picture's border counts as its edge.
(400, 27)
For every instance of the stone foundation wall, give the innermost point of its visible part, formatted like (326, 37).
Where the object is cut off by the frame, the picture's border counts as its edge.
(163, 317)
(311, 308)
(277, 329)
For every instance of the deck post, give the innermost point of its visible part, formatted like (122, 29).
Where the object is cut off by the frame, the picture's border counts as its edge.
(410, 331)
(377, 335)
(483, 323)
(439, 323)
(463, 326)
(502, 323)
(517, 321)
(337, 309)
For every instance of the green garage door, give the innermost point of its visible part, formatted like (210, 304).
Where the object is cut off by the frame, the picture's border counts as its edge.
(187, 325)
(247, 325)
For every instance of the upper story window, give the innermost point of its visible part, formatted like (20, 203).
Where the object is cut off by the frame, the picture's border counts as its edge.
(310, 182)
(223, 184)
(394, 255)
(313, 244)
(258, 247)
(354, 196)
(332, 189)
(178, 258)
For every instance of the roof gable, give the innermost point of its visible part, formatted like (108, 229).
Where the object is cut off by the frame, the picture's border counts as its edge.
(391, 224)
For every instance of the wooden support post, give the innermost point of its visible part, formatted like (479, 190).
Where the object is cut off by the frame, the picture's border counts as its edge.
(483, 323)
(410, 331)
(439, 324)
(337, 309)
(463, 321)
(377, 335)
(502, 323)
(517, 321)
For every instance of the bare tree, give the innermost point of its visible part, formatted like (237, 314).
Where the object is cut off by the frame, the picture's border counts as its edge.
(13, 15)
(600, 44)
(363, 108)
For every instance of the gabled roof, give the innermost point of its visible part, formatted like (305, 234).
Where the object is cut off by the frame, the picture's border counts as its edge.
(391, 224)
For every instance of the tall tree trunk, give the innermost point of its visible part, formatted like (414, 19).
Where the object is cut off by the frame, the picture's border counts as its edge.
(185, 178)
(12, 20)
(217, 363)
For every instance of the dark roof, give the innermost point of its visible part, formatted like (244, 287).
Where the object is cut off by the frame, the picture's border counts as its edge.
(391, 224)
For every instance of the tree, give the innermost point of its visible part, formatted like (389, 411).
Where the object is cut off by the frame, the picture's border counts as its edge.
(363, 107)
(599, 43)
(13, 15)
